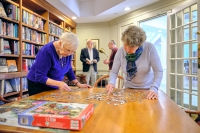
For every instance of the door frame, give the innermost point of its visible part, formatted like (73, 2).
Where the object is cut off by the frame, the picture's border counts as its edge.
(175, 10)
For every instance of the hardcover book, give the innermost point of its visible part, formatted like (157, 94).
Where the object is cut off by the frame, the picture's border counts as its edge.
(71, 116)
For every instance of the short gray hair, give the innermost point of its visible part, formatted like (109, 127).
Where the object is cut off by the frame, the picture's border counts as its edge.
(134, 36)
(69, 38)
(112, 41)
(89, 40)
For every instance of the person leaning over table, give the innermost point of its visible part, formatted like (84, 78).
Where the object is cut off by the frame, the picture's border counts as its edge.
(52, 62)
(139, 62)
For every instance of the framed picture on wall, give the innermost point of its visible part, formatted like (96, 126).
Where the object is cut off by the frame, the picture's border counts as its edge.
(96, 43)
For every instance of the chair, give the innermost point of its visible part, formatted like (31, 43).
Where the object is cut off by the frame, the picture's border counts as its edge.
(197, 119)
(104, 78)
(81, 78)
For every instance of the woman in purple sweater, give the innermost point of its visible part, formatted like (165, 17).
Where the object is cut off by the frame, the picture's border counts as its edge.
(139, 62)
(52, 62)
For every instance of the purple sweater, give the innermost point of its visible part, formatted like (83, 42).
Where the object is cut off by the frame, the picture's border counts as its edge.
(47, 65)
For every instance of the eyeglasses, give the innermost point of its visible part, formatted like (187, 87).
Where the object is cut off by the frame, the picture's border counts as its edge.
(68, 51)
(129, 49)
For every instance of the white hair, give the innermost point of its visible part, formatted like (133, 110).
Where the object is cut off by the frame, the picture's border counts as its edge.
(69, 38)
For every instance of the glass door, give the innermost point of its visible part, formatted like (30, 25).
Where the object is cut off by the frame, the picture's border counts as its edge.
(182, 84)
(156, 31)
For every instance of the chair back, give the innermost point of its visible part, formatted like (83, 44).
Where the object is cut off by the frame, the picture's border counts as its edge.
(194, 113)
(103, 81)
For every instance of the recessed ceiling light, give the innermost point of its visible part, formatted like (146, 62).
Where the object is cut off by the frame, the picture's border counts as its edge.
(73, 17)
(126, 8)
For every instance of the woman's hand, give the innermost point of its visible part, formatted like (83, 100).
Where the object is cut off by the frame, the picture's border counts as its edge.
(152, 95)
(109, 88)
(83, 85)
(64, 86)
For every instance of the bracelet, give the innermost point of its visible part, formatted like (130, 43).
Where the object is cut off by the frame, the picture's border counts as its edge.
(76, 83)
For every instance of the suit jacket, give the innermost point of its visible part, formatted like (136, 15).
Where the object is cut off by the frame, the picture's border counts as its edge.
(85, 54)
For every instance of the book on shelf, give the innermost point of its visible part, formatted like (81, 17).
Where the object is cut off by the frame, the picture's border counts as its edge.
(2, 11)
(9, 10)
(12, 12)
(15, 83)
(2, 87)
(6, 47)
(14, 47)
(71, 116)
(24, 83)
(12, 66)
(8, 88)
(1, 46)
(3, 65)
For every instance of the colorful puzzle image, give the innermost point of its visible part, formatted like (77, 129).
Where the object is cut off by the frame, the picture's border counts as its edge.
(9, 114)
(71, 116)
(59, 109)
(20, 106)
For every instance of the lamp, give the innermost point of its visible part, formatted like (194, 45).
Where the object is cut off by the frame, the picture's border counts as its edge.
(101, 50)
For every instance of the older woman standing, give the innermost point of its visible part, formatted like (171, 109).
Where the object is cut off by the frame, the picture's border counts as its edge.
(52, 62)
(138, 61)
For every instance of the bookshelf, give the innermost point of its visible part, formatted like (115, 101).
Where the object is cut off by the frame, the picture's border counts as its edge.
(34, 23)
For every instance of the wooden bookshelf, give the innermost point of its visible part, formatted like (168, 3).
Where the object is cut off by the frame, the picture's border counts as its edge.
(46, 15)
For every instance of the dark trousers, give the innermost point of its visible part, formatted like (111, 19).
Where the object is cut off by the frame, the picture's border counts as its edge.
(35, 88)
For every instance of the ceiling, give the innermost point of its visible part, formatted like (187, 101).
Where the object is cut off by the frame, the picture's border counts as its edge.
(90, 11)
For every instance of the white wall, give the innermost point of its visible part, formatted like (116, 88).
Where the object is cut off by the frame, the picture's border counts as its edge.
(99, 31)
(113, 29)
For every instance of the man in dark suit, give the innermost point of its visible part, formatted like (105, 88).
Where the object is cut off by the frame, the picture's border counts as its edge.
(90, 56)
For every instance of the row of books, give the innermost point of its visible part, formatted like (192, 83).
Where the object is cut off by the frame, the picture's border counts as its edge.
(8, 65)
(53, 38)
(24, 83)
(32, 20)
(10, 85)
(8, 29)
(9, 46)
(11, 66)
(33, 35)
(27, 64)
(55, 30)
(12, 47)
(30, 49)
(10, 10)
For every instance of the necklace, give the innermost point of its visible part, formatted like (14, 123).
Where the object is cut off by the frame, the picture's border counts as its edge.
(62, 61)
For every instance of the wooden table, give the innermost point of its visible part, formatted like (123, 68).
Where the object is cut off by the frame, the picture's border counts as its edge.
(148, 116)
